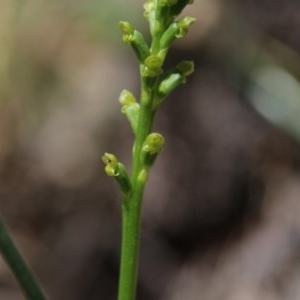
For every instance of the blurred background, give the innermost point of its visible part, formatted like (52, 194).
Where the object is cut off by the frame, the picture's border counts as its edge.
(221, 216)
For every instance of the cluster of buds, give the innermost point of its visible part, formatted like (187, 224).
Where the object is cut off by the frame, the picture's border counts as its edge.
(151, 148)
(164, 28)
(168, 8)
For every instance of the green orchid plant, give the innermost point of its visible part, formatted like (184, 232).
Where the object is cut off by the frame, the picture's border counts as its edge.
(156, 85)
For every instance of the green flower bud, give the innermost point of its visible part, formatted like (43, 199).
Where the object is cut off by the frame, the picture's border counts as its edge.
(153, 143)
(117, 170)
(176, 30)
(185, 67)
(153, 62)
(140, 46)
(128, 31)
(149, 6)
(169, 36)
(172, 81)
(135, 39)
(184, 25)
(126, 27)
(131, 108)
(112, 164)
(153, 66)
(151, 148)
(149, 13)
(126, 98)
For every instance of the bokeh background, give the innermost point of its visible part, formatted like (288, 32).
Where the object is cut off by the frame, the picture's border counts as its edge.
(221, 216)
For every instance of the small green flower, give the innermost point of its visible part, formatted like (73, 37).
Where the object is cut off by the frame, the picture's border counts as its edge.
(175, 31)
(185, 67)
(128, 31)
(169, 36)
(150, 13)
(151, 148)
(149, 6)
(117, 170)
(173, 79)
(153, 143)
(126, 27)
(153, 66)
(169, 83)
(140, 46)
(126, 98)
(184, 25)
(130, 107)
(135, 39)
(112, 164)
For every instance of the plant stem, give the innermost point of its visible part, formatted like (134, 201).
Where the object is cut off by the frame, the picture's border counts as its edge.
(131, 207)
(130, 248)
(155, 86)
(18, 266)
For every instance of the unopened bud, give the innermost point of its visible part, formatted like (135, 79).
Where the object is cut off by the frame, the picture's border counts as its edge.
(172, 81)
(169, 36)
(126, 27)
(153, 143)
(151, 148)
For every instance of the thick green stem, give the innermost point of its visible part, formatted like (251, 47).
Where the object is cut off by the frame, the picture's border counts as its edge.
(18, 266)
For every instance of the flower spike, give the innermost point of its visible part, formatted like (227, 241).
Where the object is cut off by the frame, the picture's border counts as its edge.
(155, 86)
